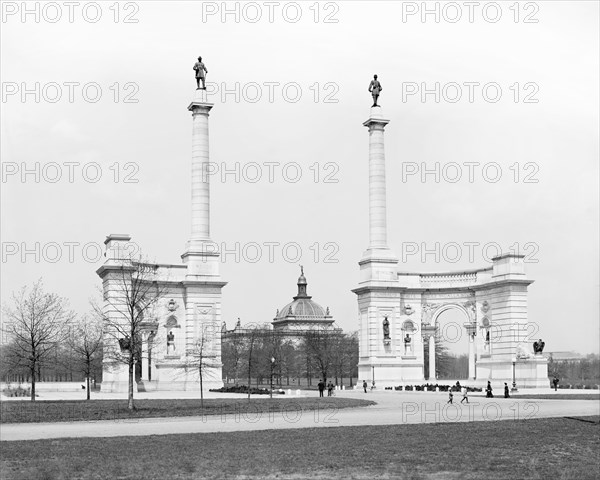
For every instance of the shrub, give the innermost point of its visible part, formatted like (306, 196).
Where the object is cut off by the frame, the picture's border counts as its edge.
(18, 391)
(244, 389)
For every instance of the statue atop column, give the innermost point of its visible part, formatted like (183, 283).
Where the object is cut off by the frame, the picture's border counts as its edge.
(201, 72)
(375, 89)
(538, 347)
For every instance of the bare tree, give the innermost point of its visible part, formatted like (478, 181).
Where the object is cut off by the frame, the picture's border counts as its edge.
(137, 291)
(85, 340)
(254, 335)
(346, 356)
(271, 354)
(202, 356)
(232, 351)
(320, 345)
(35, 324)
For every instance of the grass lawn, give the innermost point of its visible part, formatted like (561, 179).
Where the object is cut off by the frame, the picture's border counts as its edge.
(69, 411)
(559, 396)
(558, 448)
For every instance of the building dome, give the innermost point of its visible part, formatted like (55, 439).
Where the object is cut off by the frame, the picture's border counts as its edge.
(302, 312)
(302, 307)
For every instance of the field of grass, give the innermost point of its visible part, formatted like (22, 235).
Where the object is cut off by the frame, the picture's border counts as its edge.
(70, 411)
(559, 396)
(558, 448)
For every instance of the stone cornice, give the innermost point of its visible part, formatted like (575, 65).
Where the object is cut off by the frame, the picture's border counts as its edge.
(211, 283)
(454, 289)
(447, 273)
(116, 267)
(378, 288)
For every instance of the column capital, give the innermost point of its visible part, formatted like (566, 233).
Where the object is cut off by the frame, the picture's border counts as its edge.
(200, 103)
(376, 120)
(198, 108)
(428, 330)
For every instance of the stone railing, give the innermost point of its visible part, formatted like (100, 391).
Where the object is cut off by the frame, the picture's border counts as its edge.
(452, 279)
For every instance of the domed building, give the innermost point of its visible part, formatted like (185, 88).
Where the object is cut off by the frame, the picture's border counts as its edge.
(302, 313)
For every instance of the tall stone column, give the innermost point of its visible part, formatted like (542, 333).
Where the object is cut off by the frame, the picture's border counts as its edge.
(200, 160)
(201, 254)
(432, 375)
(377, 191)
(379, 264)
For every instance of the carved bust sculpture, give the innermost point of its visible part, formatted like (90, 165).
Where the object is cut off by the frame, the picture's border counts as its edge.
(124, 344)
(170, 341)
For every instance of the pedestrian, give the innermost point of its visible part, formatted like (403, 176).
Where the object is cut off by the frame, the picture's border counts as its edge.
(506, 395)
(465, 395)
(321, 386)
(488, 390)
(555, 383)
(450, 396)
(329, 389)
(365, 386)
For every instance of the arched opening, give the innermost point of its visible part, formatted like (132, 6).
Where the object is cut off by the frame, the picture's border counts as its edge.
(451, 344)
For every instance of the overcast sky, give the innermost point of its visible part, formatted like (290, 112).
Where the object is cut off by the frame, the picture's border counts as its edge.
(517, 111)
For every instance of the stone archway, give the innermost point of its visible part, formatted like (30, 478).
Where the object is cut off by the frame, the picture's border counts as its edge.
(439, 331)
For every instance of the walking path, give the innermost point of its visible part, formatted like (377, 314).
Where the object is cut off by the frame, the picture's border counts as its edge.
(393, 408)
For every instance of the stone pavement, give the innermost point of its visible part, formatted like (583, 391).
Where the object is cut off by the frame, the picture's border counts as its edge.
(393, 408)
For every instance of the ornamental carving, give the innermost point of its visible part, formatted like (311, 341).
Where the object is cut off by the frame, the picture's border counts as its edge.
(471, 309)
(485, 306)
(523, 352)
(172, 305)
(427, 310)
(408, 309)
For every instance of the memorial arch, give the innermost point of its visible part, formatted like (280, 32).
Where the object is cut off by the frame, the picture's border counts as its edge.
(493, 300)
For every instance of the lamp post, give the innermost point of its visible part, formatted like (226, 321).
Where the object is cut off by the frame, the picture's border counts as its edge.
(272, 365)
(514, 382)
(373, 378)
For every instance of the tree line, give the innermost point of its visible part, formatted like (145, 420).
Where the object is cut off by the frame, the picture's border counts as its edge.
(261, 354)
(45, 340)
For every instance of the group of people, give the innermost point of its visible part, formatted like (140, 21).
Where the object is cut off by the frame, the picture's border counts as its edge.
(465, 395)
(489, 390)
(322, 386)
